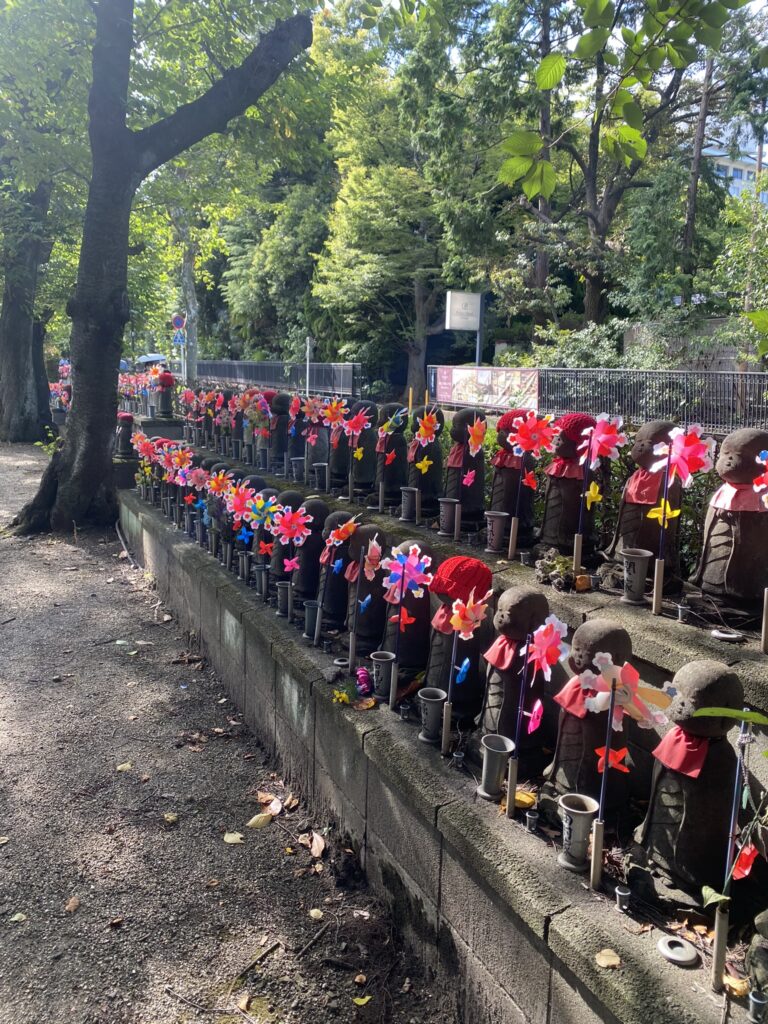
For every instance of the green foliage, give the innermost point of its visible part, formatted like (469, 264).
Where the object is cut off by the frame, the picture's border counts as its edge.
(51, 444)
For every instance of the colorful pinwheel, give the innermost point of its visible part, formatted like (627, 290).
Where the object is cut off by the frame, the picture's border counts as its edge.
(428, 427)
(592, 495)
(355, 425)
(468, 615)
(198, 478)
(664, 512)
(407, 573)
(334, 411)
(633, 697)
(342, 533)
(424, 465)
(372, 559)
(291, 527)
(529, 480)
(264, 511)
(533, 434)
(313, 409)
(476, 435)
(547, 646)
(469, 478)
(615, 758)
(686, 454)
(219, 483)
(239, 501)
(602, 441)
(392, 423)
(761, 482)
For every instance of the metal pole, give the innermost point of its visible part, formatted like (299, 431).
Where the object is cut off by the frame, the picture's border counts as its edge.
(479, 338)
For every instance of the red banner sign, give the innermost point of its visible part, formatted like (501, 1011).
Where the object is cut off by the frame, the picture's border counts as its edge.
(492, 387)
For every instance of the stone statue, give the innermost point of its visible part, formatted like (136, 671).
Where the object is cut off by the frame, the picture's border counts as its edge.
(366, 608)
(278, 430)
(123, 446)
(456, 578)
(413, 651)
(507, 469)
(296, 440)
(685, 832)
(756, 960)
(465, 472)
(262, 426)
(425, 461)
(364, 444)
(257, 483)
(642, 492)
(307, 576)
(520, 611)
(580, 732)
(281, 552)
(261, 536)
(338, 458)
(564, 487)
(391, 455)
(334, 560)
(734, 560)
(166, 385)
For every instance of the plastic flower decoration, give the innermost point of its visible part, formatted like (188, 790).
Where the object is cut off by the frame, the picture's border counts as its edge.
(295, 407)
(219, 482)
(357, 454)
(342, 533)
(547, 646)
(615, 758)
(313, 409)
(424, 465)
(291, 527)
(467, 615)
(476, 435)
(427, 431)
(392, 423)
(761, 482)
(181, 458)
(407, 572)
(245, 534)
(664, 512)
(602, 441)
(404, 618)
(372, 560)
(529, 480)
(633, 697)
(289, 564)
(533, 434)
(469, 478)
(239, 501)
(534, 716)
(264, 512)
(687, 453)
(355, 425)
(266, 548)
(592, 495)
(334, 411)
(390, 457)
(198, 478)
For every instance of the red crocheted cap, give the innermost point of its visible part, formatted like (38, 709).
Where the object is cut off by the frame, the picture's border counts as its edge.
(507, 421)
(457, 577)
(125, 417)
(573, 425)
(269, 395)
(166, 379)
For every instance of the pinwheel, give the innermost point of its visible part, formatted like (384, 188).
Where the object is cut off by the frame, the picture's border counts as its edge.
(534, 716)
(372, 558)
(761, 482)
(389, 458)
(218, 483)
(289, 564)
(342, 533)
(467, 615)
(533, 434)
(266, 547)
(313, 408)
(592, 495)
(291, 527)
(355, 425)
(546, 646)
(602, 441)
(239, 501)
(198, 478)
(424, 464)
(615, 759)
(469, 478)
(392, 423)
(189, 499)
(334, 411)
(264, 511)
(406, 574)
(476, 435)
(663, 513)
(686, 454)
(403, 618)
(245, 534)
(427, 431)
(529, 480)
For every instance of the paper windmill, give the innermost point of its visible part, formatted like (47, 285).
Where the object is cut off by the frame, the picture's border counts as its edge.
(289, 564)
(534, 716)
(664, 512)
(189, 499)
(406, 572)
(687, 453)
(390, 457)
(266, 548)
(529, 480)
(547, 647)
(404, 618)
(245, 534)
(424, 465)
(392, 423)
(342, 533)
(427, 432)
(372, 560)
(219, 482)
(356, 424)
(334, 411)
(469, 478)
(633, 697)
(476, 435)
(181, 458)
(761, 482)
(468, 615)
(264, 511)
(198, 478)
(602, 441)
(313, 409)
(239, 500)
(615, 758)
(292, 527)
(533, 434)
(592, 495)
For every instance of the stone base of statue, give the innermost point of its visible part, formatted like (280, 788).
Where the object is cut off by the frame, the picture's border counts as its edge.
(158, 426)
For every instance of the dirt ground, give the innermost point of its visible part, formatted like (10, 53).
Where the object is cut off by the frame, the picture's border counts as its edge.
(123, 765)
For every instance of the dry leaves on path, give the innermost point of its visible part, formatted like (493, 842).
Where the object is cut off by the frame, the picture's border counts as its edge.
(72, 904)
(233, 837)
(608, 958)
(314, 842)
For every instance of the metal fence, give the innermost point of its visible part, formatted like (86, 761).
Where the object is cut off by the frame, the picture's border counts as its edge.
(324, 378)
(719, 401)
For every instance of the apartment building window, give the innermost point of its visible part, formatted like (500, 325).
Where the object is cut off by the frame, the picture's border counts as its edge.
(721, 170)
(737, 173)
(750, 175)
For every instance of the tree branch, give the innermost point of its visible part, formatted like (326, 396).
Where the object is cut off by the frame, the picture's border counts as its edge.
(236, 91)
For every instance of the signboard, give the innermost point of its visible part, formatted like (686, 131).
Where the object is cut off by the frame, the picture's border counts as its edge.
(488, 386)
(178, 321)
(462, 311)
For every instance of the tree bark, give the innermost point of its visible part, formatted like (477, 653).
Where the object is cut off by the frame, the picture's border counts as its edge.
(77, 486)
(594, 298)
(23, 416)
(541, 269)
(424, 299)
(189, 295)
(689, 229)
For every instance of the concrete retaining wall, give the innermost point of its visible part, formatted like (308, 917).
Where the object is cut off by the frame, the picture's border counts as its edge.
(481, 901)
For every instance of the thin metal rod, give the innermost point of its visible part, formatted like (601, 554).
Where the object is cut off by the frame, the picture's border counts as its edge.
(607, 753)
(521, 701)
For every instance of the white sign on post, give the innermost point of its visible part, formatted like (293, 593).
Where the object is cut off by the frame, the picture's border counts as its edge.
(462, 311)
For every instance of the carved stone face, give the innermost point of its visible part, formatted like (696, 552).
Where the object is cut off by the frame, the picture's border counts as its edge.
(649, 435)
(736, 463)
(318, 509)
(705, 684)
(520, 611)
(564, 448)
(461, 423)
(597, 636)
(280, 404)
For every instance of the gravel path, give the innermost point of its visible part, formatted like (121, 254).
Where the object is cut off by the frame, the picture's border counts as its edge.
(122, 767)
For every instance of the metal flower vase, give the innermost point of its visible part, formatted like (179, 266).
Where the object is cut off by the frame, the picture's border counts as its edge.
(431, 701)
(383, 662)
(635, 572)
(496, 753)
(578, 812)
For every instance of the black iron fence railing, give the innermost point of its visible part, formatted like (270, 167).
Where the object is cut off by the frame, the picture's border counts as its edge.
(324, 378)
(719, 401)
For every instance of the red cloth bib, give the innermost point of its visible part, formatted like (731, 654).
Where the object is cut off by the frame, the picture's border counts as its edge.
(571, 698)
(738, 498)
(413, 447)
(336, 433)
(324, 557)
(352, 572)
(501, 653)
(643, 487)
(441, 620)
(565, 468)
(456, 456)
(682, 752)
(506, 460)
(381, 444)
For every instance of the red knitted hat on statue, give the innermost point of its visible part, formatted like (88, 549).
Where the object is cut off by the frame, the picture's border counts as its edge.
(573, 425)
(269, 395)
(166, 379)
(125, 417)
(507, 421)
(457, 577)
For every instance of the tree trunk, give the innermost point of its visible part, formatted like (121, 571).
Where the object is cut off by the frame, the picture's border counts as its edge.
(541, 269)
(594, 298)
(689, 230)
(39, 329)
(189, 295)
(23, 416)
(424, 301)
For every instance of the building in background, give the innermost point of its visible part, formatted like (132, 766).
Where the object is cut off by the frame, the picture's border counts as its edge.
(738, 167)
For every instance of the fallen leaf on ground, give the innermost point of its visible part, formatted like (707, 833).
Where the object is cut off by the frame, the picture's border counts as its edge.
(233, 837)
(291, 802)
(607, 958)
(313, 842)
(289, 850)
(170, 817)
(244, 1001)
(19, 918)
(362, 1000)
(736, 987)
(124, 767)
(116, 922)
(131, 653)
(4, 840)
(364, 914)
(259, 821)
(121, 643)
(211, 883)
(72, 904)
(263, 797)
(360, 979)
(144, 643)
(145, 778)
(167, 617)
(315, 914)
(364, 704)
(110, 579)
(122, 555)
(132, 718)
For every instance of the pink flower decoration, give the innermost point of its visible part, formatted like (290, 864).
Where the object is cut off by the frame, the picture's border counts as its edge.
(469, 478)
(534, 716)
(372, 560)
(468, 615)
(290, 526)
(289, 564)
(198, 478)
(633, 697)
(688, 453)
(546, 647)
(602, 441)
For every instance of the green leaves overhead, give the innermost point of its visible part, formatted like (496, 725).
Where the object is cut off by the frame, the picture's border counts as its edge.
(522, 143)
(540, 180)
(591, 42)
(550, 71)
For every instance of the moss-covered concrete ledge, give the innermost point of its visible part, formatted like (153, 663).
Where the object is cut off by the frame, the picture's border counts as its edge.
(478, 898)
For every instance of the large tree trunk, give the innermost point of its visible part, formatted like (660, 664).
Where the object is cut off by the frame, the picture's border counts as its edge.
(594, 298)
(23, 417)
(541, 269)
(689, 229)
(189, 294)
(424, 299)
(77, 486)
